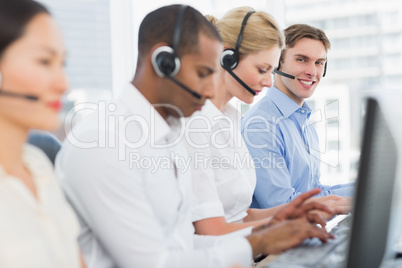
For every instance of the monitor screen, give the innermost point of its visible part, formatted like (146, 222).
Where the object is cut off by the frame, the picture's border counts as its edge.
(375, 186)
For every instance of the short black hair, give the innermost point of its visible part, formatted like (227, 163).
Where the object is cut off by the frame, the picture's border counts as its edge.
(14, 16)
(159, 26)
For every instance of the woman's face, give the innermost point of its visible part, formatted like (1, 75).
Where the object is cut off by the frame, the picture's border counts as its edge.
(33, 65)
(256, 71)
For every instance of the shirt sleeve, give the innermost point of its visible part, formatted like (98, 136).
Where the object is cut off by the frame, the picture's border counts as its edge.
(274, 182)
(234, 245)
(266, 146)
(207, 203)
(116, 207)
(346, 189)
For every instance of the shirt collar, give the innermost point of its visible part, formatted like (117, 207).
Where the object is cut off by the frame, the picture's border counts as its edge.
(211, 111)
(35, 161)
(285, 104)
(137, 104)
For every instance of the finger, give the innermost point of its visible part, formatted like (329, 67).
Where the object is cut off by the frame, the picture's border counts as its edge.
(303, 197)
(320, 233)
(316, 206)
(342, 209)
(316, 219)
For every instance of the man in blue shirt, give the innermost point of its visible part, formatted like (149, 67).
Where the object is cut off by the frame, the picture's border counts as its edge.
(282, 142)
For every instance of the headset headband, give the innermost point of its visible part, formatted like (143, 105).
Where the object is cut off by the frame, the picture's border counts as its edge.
(177, 29)
(240, 37)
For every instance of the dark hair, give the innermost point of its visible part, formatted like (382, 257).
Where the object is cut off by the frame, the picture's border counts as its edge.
(14, 16)
(159, 26)
(295, 32)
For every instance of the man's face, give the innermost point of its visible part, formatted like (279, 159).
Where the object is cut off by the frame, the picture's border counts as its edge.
(197, 72)
(306, 62)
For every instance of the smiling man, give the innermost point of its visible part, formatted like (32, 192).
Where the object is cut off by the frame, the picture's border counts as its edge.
(282, 142)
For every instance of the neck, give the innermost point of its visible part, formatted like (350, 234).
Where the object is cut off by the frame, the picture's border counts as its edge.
(12, 140)
(222, 94)
(281, 86)
(147, 87)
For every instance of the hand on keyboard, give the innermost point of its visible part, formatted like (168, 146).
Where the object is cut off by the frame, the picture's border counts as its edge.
(302, 207)
(339, 205)
(290, 226)
(287, 234)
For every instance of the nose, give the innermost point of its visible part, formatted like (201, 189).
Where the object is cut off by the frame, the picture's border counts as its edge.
(209, 89)
(311, 69)
(61, 83)
(267, 80)
(209, 92)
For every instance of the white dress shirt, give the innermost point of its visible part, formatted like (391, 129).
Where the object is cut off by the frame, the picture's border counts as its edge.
(122, 168)
(36, 233)
(224, 177)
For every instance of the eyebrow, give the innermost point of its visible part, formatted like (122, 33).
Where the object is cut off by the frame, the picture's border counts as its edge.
(209, 69)
(51, 50)
(304, 56)
(268, 65)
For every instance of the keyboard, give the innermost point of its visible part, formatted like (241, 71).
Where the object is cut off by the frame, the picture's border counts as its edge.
(314, 253)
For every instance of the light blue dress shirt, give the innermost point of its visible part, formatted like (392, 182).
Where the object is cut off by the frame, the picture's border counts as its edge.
(285, 149)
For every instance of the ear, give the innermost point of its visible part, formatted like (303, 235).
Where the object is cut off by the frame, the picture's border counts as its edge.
(227, 47)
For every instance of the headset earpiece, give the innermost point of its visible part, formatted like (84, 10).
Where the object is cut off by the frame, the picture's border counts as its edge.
(229, 59)
(325, 69)
(165, 62)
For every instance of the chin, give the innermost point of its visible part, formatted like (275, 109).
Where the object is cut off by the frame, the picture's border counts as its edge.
(248, 100)
(49, 124)
(188, 113)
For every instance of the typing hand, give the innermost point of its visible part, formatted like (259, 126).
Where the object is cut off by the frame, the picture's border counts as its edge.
(303, 207)
(338, 204)
(285, 235)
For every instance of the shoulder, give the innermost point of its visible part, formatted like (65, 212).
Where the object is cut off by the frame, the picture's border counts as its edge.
(263, 113)
(35, 157)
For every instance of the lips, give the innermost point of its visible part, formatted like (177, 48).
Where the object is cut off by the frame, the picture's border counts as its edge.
(55, 105)
(306, 83)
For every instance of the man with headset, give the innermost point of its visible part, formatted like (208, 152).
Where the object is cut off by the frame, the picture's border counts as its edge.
(122, 167)
(282, 142)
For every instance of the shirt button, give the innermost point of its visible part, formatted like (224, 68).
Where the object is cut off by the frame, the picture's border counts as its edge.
(302, 111)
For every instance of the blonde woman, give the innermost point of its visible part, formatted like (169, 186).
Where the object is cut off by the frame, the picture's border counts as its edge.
(37, 227)
(223, 172)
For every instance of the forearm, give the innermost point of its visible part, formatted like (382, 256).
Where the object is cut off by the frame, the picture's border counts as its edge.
(254, 214)
(219, 226)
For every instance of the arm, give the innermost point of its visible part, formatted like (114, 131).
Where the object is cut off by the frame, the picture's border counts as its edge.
(261, 213)
(219, 226)
(208, 210)
(83, 265)
(267, 148)
(116, 206)
(346, 189)
(338, 204)
(290, 226)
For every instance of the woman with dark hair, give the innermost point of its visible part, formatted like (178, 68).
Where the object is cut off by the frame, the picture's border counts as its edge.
(37, 226)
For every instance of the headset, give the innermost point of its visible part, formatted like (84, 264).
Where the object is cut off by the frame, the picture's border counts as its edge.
(165, 59)
(230, 57)
(16, 95)
(291, 76)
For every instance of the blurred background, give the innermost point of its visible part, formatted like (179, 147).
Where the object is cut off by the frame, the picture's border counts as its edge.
(366, 55)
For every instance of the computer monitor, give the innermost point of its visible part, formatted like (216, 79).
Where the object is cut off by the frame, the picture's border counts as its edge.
(374, 223)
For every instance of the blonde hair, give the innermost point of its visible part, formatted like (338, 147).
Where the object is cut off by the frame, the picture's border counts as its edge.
(261, 31)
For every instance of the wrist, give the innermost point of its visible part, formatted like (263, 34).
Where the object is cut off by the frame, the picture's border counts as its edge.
(256, 244)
